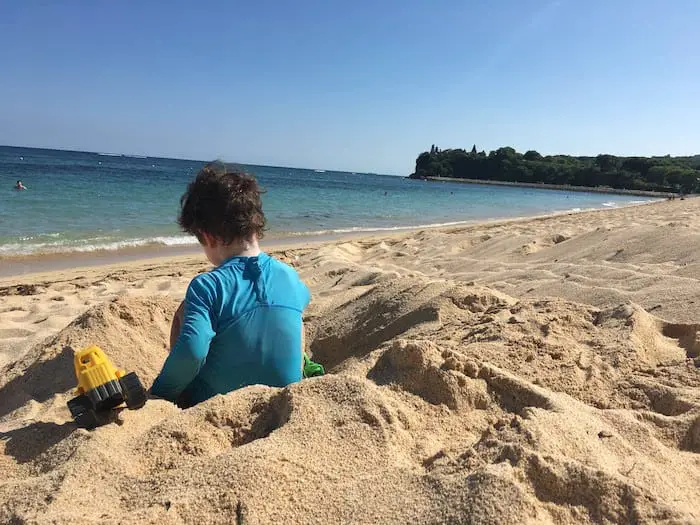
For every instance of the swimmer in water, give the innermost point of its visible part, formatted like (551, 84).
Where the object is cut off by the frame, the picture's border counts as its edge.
(20, 186)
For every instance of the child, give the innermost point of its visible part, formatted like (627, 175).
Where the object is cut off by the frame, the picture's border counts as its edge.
(241, 323)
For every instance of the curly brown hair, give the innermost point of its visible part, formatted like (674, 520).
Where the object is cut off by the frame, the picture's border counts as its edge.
(225, 204)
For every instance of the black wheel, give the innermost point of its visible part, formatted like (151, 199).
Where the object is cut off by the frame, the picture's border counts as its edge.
(134, 394)
(84, 414)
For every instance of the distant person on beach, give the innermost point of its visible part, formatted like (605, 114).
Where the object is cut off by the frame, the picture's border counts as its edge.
(20, 186)
(240, 323)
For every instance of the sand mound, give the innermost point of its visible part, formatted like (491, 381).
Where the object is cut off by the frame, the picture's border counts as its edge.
(449, 403)
(133, 332)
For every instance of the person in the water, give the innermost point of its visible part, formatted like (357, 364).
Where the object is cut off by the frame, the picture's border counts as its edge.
(20, 186)
(241, 323)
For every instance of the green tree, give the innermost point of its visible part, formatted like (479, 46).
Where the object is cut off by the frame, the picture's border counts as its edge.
(606, 162)
(506, 152)
(532, 155)
(657, 176)
(506, 164)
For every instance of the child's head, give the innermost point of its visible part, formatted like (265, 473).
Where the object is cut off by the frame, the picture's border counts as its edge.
(222, 208)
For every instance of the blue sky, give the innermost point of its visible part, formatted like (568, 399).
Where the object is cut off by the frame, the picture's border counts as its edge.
(359, 86)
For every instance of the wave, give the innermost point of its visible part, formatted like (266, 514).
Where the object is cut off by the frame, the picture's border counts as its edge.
(92, 245)
(106, 244)
(54, 235)
(103, 244)
(123, 155)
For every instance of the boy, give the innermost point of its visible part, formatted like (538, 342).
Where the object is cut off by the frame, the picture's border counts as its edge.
(241, 323)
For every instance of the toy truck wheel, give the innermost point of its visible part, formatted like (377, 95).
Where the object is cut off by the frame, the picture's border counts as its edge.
(134, 394)
(83, 412)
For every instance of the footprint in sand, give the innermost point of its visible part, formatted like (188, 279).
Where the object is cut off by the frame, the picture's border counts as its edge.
(14, 333)
(13, 315)
(12, 309)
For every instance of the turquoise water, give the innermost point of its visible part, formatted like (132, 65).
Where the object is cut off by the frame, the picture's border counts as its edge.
(79, 201)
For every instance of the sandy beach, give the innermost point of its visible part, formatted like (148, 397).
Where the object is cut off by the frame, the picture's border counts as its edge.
(540, 370)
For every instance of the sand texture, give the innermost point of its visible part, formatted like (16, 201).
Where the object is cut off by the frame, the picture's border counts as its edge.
(533, 371)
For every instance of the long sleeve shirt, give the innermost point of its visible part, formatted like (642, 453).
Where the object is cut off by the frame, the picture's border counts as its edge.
(242, 326)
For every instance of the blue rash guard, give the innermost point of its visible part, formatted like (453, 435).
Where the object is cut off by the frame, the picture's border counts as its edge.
(242, 326)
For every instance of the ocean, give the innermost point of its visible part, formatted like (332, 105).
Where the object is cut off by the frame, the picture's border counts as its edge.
(83, 202)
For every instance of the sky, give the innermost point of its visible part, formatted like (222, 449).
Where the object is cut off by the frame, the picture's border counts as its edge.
(356, 86)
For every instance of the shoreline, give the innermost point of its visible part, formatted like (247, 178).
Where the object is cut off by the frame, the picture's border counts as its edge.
(557, 187)
(22, 266)
(29, 267)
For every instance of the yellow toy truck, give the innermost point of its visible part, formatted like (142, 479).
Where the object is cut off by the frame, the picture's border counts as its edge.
(102, 387)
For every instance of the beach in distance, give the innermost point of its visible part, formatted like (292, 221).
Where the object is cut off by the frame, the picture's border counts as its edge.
(560, 187)
(533, 370)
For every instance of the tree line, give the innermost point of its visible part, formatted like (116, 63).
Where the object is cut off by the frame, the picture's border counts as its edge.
(665, 174)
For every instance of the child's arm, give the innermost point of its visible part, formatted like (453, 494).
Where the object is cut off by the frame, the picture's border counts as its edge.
(190, 351)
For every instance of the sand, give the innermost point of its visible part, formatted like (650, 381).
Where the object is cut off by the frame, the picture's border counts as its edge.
(532, 371)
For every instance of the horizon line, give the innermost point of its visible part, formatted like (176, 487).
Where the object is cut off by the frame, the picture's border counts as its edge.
(134, 155)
